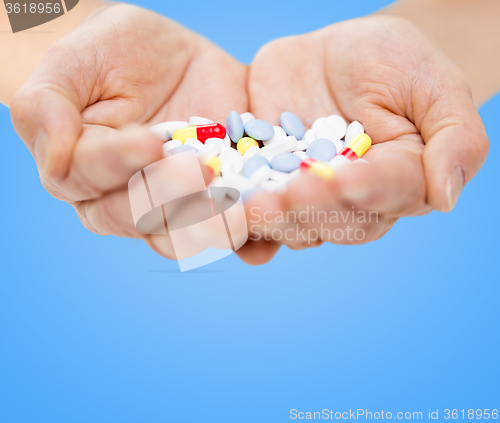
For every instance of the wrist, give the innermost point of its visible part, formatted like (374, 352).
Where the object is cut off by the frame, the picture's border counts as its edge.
(22, 51)
(465, 31)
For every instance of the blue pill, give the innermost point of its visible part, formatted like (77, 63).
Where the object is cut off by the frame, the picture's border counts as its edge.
(292, 125)
(234, 126)
(252, 164)
(182, 149)
(322, 149)
(259, 130)
(286, 162)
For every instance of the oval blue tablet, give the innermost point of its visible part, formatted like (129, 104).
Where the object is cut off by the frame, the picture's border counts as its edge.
(321, 149)
(234, 126)
(259, 130)
(286, 162)
(292, 125)
(252, 164)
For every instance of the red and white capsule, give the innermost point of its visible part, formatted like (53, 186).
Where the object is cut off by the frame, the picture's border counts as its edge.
(200, 132)
(358, 146)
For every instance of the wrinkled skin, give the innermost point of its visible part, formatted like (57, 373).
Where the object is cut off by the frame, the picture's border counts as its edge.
(428, 138)
(95, 93)
(132, 68)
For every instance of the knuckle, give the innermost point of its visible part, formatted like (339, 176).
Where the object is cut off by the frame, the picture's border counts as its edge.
(53, 189)
(484, 146)
(82, 211)
(21, 107)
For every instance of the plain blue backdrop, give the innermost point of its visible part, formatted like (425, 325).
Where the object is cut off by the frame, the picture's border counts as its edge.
(101, 329)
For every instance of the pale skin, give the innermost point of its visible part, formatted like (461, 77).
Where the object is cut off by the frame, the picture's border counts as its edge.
(83, 113)
(75, 111)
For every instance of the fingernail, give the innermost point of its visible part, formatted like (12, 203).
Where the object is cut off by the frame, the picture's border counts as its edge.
(454, 186)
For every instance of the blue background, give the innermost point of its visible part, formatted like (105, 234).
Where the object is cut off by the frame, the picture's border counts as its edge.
(100, 329)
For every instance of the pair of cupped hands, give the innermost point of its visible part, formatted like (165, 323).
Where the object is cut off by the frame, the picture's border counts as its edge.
(85, 111)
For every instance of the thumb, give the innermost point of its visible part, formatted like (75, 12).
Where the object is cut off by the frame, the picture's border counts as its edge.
(456, 143)
(46, 112)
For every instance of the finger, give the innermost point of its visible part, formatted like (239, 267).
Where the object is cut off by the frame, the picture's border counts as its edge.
(456, 141)
(47, 112)
(162, 245)
(393, 183)
(280, 78)
(258, 252)
(109, 215)
(46, 115)
(212, 86)
(105, 159)
(317, 213)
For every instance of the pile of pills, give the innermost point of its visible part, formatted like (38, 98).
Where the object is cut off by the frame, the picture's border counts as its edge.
(250, 154)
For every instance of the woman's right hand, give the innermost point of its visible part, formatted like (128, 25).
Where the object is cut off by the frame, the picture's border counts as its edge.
(83, 113)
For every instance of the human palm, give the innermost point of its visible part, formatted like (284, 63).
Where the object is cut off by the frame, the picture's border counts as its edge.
(123, 65)
(428, 139)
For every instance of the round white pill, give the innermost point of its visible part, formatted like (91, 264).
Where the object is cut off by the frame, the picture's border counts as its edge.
(231, 160)
(301, 154)
(240, 183)
(279, 135)
(339, 162)
(329, 132)
(302, 145)
(208, 150)
(252, 151)
(325, 131)
(310, 136)
(288, 145)
(166, 130)
(355, 128)
(318, 122)
(197, 120)
(246, 117)
(219, 141)
(226, 142)
(261, 175)
(193, 143)
(278, 176)
(170, 145)
(338, 123)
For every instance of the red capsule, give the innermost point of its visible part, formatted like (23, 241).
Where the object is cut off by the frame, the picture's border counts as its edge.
(200, 132)
(348, 153)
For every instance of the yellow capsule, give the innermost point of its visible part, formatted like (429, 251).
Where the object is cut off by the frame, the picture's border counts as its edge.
(183, 134)
(321, 169)
(213, 163)
(360, 144)
(245, 143)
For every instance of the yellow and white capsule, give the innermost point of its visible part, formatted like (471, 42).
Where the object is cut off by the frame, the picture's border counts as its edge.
(358, 146)
(323, 170)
